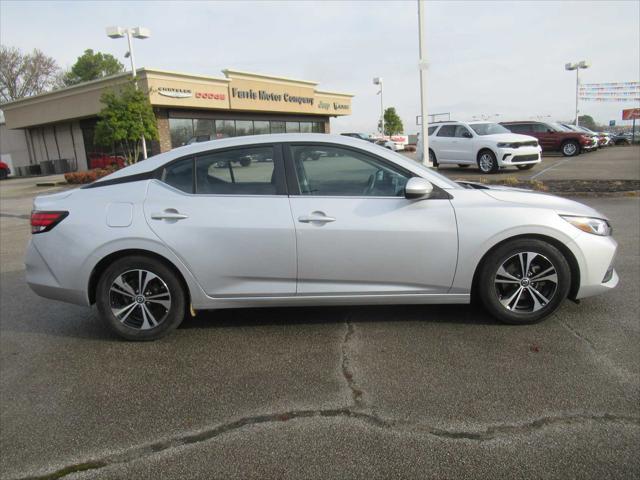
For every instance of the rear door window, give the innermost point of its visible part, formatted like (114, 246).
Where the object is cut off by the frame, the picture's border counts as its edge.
(447, 131)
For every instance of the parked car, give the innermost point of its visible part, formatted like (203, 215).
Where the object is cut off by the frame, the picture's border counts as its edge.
(595, 139)
(488, 145)
(553, 137)
(604, 139)
(361, 136)
(362, 225)
(5, 171)
(388, 144)
(623, 138)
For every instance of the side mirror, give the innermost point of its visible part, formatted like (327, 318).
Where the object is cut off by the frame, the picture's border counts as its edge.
(418, 187)
(467, 135)
(550, 131)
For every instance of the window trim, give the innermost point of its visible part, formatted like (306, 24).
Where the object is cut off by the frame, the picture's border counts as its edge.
(294, 188)
(278, 166)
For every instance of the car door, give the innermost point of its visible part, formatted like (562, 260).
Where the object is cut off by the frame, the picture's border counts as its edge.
(356, 232)
(444, 143)
(227, 216)
(463, 148)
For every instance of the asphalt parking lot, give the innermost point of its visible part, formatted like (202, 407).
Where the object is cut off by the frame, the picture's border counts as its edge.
(360, 392)
(609, 163)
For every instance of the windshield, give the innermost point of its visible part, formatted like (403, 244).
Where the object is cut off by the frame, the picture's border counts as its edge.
(488, 128)
(572, 127)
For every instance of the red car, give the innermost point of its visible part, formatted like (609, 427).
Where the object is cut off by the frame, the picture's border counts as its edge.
(4, 170)
(552, 137)
(99, 160)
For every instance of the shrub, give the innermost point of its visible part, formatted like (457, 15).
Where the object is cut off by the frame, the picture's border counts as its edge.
(88, 176)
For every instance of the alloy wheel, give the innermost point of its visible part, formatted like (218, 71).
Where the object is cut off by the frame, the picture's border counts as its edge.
(486, 162)
(569, 149)
(526, 282)
(139, 299)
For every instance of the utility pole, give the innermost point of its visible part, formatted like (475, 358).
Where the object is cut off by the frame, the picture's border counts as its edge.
(378, 81)
(424, 126)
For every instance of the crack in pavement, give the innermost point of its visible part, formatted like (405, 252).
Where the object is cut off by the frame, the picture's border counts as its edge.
(490, 433)
(347, 370)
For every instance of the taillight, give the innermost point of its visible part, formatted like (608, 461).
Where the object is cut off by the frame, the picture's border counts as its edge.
(44, 221)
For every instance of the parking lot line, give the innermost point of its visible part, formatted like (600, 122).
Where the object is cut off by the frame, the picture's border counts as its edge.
(533, 177)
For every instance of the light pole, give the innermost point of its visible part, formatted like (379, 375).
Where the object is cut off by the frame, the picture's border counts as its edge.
(378, 81)
(135, 32)
(577, 66)
(422, 64)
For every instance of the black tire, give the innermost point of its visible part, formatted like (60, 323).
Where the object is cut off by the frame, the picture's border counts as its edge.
(526, 167)
(463, 165)
(570, 148)
(128, 327)
(433, 159)
(3, 174)
(487, 162)
(522, 308)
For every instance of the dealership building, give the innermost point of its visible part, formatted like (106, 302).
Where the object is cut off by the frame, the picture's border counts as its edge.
(54, 132)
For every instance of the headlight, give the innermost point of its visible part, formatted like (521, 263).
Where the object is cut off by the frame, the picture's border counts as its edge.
(505, 145)
(597, 226)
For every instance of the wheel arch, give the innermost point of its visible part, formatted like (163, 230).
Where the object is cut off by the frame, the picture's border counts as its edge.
(566, 252)
(485, 149)
(102, 265)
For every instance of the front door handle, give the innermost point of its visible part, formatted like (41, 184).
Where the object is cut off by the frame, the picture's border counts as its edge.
(316, 217)
(169, 214)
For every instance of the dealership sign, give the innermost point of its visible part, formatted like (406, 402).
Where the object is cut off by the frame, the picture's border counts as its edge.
(631, 114)
(174, 92)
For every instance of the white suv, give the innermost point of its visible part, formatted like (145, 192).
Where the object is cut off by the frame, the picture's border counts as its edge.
(488, 145)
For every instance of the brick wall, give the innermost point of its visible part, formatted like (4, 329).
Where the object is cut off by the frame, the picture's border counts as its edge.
(164, 142)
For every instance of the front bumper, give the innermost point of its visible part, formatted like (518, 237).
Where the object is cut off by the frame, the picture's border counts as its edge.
(597, 274)
(508, 157)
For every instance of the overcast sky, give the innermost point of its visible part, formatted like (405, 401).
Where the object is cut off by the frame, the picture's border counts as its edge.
(490, 58)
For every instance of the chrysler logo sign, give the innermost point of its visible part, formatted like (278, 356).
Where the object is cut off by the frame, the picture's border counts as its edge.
(174, 92)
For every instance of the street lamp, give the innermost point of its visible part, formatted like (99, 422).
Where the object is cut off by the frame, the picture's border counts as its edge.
(577, 66)
(378, 81)
(422, 65)
(135, 32)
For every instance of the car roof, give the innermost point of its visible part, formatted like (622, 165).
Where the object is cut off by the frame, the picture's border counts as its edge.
(157, 161)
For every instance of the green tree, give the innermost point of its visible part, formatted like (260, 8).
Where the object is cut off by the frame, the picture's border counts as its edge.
(91, 66)
(588, 122)
(127, 116)
(392, 122)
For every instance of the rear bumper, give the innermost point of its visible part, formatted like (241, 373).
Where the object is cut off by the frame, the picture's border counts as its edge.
(43, 282)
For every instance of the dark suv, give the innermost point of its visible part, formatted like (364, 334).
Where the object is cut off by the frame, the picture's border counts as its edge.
(552, 137)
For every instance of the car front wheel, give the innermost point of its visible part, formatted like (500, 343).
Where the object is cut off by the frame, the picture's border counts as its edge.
(140, 298)
(524, 281)
(487, 162)
(570, 148)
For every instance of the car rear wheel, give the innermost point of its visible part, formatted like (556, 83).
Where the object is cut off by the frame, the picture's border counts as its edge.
(3, 174)
(140, 298)
(570, 148)
(524, 281)
(525, 167)
(487, 162)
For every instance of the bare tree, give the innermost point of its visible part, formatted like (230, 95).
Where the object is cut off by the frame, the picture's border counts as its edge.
(25, 74)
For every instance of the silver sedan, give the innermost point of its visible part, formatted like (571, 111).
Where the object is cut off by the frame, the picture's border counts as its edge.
(307, 219)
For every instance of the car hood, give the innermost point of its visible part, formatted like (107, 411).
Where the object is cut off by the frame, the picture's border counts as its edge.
(509, 137)
(540, 199)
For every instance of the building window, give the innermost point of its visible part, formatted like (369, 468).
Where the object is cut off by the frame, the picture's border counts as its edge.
(305, 127)
(260, 127)
(181, 131)
(293, 127)
(204, 128)
(317, 127)
(244, 127)
(225, 128)
(277, 127)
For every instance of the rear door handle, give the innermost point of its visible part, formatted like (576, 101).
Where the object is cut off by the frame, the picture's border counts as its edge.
(169, 214)
(316, 217)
